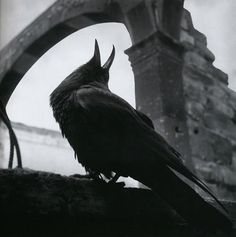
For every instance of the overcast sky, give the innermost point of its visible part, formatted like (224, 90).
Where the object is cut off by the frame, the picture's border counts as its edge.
(30, 101)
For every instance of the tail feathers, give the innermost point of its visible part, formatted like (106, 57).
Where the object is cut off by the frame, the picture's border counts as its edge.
(189, 204)
(173, 160)
(192, 177)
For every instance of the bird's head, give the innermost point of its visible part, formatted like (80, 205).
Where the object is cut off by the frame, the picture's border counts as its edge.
(93, 71)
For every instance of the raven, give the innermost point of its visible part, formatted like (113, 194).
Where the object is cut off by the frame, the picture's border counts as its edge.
(110, 137)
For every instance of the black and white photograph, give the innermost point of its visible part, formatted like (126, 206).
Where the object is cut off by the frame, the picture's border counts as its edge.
(118, 118)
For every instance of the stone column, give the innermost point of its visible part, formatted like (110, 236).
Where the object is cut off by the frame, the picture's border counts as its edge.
(157, 65)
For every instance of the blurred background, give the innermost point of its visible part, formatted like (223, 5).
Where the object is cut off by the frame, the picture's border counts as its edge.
(29, 105)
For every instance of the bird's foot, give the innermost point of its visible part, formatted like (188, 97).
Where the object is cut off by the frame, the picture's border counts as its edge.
(99, 179)
(113, 182)
(114, 179)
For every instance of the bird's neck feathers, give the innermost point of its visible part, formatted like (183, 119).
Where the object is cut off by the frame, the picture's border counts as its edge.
(80, 78)
(91, 74)
(63, 91)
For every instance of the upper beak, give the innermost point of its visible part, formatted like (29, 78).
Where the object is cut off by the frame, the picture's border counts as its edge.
(96, 57)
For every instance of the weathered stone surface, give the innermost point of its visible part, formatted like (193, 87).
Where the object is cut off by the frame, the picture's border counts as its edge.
(171, 25)
(219, 106)
(41, 202)
(221, 175)
(209, 146)
(159, 92)
(195, 110)
(211, 118)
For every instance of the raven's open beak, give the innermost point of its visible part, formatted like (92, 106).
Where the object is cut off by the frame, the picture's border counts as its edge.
(109, 61)
(96, 57)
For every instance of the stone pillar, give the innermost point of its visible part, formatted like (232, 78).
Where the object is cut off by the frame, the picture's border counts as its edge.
(171, 17)
(157, 66)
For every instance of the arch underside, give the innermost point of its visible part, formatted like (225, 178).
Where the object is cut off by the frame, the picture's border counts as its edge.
(154, 27)
(59, 21)
(141, 18)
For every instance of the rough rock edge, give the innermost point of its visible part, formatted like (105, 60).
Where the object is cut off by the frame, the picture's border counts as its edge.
(35, 202)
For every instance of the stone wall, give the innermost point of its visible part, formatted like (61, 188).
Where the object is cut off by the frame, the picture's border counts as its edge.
(157, 67)
(210, 108)
(41, 149)
(46, 204)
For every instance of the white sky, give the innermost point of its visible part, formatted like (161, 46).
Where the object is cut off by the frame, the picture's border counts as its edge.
(30, 101)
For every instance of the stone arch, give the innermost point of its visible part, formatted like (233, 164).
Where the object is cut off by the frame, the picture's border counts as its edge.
(155, 54)
(141, 18)
(60, 20)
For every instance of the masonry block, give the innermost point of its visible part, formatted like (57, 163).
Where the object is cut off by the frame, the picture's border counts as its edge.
(210, 110)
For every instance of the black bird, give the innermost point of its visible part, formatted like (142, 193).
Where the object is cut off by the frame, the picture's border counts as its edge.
(109, 136)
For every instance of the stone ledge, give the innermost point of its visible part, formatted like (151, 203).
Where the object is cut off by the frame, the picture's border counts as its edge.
(44, 203)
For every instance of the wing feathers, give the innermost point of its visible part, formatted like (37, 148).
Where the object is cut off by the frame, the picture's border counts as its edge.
(106, 105)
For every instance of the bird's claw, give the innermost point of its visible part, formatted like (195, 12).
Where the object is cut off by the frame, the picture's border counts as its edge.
(113, 182)
(114, 179)
(98, 179)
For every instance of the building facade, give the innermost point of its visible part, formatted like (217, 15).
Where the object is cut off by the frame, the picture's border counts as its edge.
(42, 149)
